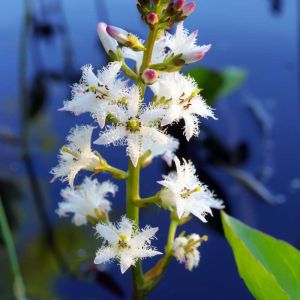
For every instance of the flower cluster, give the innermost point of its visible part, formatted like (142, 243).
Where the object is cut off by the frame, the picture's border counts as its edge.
(125, 118)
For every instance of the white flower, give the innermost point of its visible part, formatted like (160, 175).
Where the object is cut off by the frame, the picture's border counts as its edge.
(76, 155)
(183, 191)
(186, 252)
(95, 94)
(107, 41)
(125, 243)
(185, 44)
(183, 101)
(135, 128)
(86, 200)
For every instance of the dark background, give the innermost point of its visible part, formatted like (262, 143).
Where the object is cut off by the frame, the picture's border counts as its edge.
(257, 132)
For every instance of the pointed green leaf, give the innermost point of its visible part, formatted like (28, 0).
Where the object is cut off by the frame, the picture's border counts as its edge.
(269, 267)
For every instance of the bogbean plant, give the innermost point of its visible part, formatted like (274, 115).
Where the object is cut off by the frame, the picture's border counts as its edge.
(127, 119)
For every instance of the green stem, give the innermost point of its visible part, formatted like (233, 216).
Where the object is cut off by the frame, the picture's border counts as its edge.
(133, 192)
(19, 289)
(116, 173)
(172, 233)
(129, 72)
(143, 202)
(148, 53)
(132, 212)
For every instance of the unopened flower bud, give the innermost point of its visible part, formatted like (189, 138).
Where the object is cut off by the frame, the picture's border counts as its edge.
(150, 76)
(125, 38)
(118, 34)
(196, 54)
(178, 4)
(188, 8)
(107, 41)
(152, 18)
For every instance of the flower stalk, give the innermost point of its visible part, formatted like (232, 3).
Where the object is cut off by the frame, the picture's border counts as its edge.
(126, 119)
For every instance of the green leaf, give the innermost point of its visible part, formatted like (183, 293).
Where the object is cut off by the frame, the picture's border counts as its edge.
(215, 84)
(269, 267)
(232, 79)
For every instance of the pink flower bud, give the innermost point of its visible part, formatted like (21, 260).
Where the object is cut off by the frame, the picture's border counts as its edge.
(188, 8)
(150, 76)
(118, 34)
(178, 4)
(125, 38)
(107, 41)
(152, 18)
(196, 54)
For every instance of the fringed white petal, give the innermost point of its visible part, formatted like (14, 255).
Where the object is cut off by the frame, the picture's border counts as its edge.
(133, 148)
(191, 126)
(145, 235)
(126, 261)
(104, 255)
(108, 233)
(110, 136)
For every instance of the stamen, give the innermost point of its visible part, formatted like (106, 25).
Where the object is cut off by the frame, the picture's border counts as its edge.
(188, 99)
(192, 243)
(99, 94)
(65, 149)
(190, 192)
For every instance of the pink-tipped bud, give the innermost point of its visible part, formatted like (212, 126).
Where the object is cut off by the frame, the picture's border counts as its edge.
(196, 54)
(178, 4)
(150, 76)
(188, 8)
(107, 41)
(152, 18)
(118, 34)
(125, 38)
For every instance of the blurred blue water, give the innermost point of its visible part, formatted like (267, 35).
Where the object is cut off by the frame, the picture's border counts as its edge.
(245, 34)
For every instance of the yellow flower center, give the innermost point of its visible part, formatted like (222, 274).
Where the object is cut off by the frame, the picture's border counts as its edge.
(133, 125)
(122, 241)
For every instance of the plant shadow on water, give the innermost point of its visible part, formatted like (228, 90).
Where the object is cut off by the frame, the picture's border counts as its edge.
(246, 158)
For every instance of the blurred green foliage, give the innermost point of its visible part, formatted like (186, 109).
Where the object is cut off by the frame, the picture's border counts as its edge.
(216, 84)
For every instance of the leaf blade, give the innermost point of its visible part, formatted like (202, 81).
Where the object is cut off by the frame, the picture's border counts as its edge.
(276, 269)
